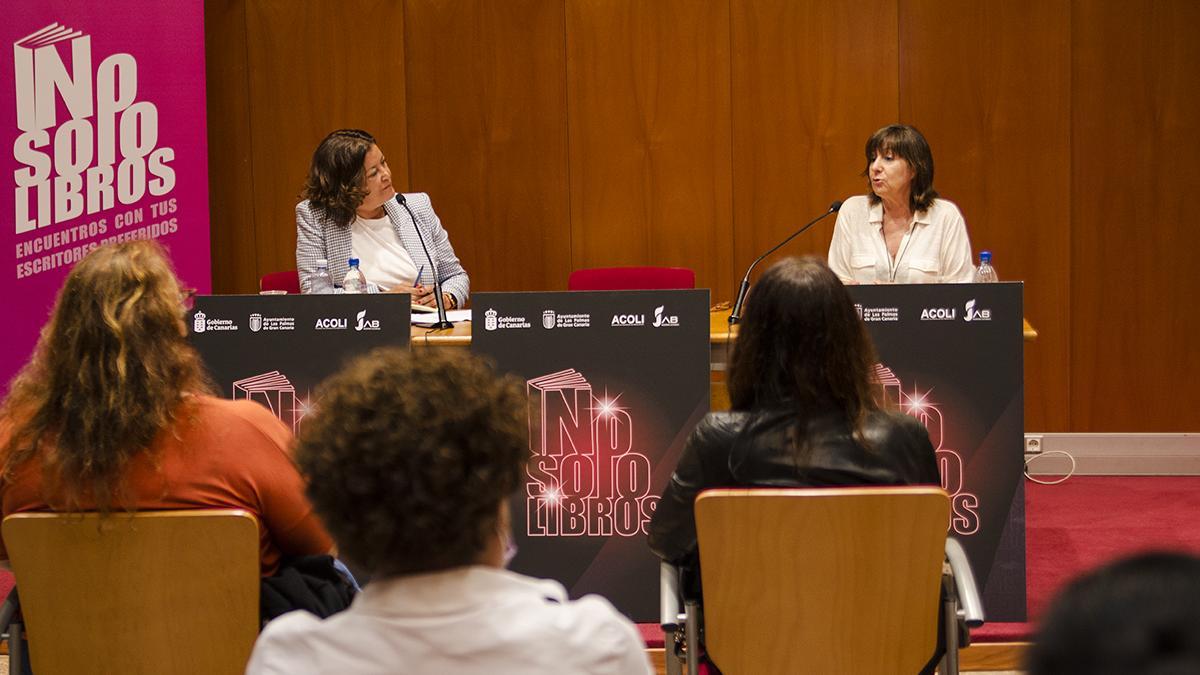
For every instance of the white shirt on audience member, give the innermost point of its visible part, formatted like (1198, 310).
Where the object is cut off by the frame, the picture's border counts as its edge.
(465, 621)
(935, 248)
(382, 258)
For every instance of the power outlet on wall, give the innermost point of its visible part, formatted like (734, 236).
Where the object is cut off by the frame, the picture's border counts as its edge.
(1033, 444)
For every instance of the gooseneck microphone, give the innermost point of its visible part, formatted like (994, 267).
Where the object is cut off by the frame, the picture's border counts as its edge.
(736, 314)
(442, 321)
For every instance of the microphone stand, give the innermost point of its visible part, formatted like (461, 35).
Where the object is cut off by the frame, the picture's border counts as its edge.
(442, 321)
(736, 314)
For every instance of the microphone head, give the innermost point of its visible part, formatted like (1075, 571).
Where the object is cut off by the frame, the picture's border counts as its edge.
(400, 198)
(835, 206)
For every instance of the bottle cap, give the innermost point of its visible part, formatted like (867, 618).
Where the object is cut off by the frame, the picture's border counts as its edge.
(985, 256)
(354, 262)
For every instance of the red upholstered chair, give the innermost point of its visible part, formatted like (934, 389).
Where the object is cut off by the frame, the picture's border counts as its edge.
(631, 279)
(288, 280)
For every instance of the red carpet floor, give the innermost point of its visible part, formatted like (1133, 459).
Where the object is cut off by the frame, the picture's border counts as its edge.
(1081, 524)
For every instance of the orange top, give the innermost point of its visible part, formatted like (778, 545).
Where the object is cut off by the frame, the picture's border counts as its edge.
(225, 455)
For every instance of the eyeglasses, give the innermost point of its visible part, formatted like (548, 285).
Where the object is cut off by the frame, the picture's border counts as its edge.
(187, 297)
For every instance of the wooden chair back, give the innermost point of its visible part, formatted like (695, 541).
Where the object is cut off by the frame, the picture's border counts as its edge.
(840, 580)
(156, 592)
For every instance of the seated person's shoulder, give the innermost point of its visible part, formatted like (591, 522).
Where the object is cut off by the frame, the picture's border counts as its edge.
(284, 645)
(892, 428)
(587, 635)
(719, 426)
(244, 419)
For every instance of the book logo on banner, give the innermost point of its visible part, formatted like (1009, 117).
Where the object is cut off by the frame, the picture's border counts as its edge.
(587, 477)
(364, 323)
(104, 154)
(972, 314)
(964, 505)
(661, 319)
(275, 392)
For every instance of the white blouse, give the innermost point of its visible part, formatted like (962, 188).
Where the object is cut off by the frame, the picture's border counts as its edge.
(382, 259)
(935, 248)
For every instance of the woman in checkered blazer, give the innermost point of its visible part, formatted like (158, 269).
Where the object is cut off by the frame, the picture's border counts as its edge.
(350, 209)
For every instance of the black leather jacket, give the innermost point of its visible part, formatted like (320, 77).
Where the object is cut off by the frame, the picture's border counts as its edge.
(731, 449)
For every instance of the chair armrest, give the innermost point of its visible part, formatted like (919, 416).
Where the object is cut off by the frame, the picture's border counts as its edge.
(668, 592)
(971, 606)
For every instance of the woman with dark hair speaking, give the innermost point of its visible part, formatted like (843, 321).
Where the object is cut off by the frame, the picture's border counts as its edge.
(805, 412)
(900, 231)
(113, 413)
(350, 210)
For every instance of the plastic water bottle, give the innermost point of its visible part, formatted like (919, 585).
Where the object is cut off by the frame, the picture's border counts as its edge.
(354, 282)
(985, 274)
(322, 283)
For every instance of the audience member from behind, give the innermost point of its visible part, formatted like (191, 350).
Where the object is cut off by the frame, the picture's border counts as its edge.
(805, 411)
(412, 462)
(114, 413)
(1138, 616)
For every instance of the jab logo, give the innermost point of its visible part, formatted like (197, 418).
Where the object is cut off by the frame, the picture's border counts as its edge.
(661, 320)
(972, 314)
(364, 323)
(629, 320)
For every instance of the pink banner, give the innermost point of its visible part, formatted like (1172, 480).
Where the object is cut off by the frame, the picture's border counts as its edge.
(104, 138)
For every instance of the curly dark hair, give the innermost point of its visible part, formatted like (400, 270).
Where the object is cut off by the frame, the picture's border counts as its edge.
(111, 371)
(801, 347)
(907, 142)
(410, 456)
(336, 180)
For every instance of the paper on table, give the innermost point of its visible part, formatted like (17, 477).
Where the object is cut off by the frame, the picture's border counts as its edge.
(453, 316)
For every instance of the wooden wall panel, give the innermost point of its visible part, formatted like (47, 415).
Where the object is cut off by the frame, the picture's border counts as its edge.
(230, 191)
(811, 81)
(314, 68)
(487, 129)
(1135, 115)
(988, 84)
(648, 104)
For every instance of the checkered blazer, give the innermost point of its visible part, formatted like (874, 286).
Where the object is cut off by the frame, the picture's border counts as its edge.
(318, 237)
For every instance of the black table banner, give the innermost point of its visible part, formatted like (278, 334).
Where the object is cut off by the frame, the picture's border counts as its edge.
(951, 355)
(275, 349)
(616, 381)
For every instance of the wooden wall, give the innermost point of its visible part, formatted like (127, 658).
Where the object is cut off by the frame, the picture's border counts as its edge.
(554, 134)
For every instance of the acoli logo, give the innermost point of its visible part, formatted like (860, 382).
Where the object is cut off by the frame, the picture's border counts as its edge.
(331, 324)
(938, 314)
(629, 320)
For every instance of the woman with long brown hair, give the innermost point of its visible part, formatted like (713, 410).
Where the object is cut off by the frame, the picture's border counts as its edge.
(114, 412)
(805, 412)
